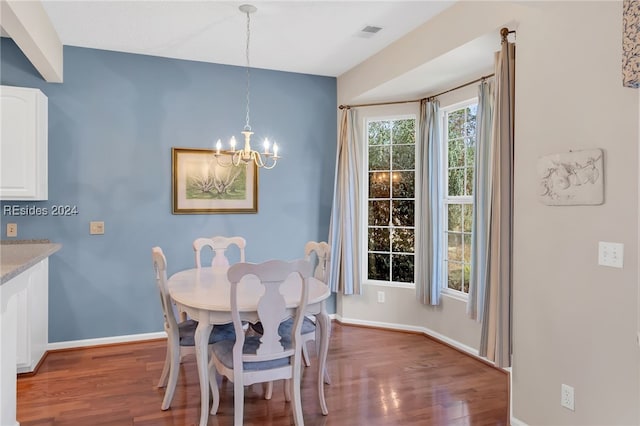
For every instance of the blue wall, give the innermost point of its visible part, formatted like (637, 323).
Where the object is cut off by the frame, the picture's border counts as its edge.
(112, 124)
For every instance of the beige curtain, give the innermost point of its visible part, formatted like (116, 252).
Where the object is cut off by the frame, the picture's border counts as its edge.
(495, 341)
(344, 228)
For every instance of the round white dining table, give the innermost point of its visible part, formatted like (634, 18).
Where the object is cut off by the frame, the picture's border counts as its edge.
(204, 294)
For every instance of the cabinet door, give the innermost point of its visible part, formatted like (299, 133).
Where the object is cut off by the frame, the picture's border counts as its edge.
(33, 317)
(23, 144)
(39, 311)
(23, 344)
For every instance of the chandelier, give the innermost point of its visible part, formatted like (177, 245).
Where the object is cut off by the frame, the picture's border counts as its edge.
(266, 159)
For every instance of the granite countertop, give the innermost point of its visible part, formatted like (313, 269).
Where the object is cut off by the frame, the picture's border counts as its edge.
(18, 256)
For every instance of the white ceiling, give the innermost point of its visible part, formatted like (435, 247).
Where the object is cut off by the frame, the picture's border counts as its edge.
(459, 66)
(311, 37)
(303, 36)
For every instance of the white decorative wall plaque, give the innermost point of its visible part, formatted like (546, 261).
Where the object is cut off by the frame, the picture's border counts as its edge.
(572, 178)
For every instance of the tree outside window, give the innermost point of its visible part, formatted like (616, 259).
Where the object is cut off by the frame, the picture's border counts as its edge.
(391, 200)
(460, 142)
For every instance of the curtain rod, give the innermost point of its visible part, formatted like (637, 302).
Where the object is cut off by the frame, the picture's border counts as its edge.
(504, 33)
(418, 100)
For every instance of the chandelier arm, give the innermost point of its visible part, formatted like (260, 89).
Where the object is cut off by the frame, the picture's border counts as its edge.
(271, 166)
(235, 160)
(257, 158)
(221, 163)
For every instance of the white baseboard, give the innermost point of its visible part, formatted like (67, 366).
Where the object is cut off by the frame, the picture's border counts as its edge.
(516, 422)
(413, 328)
(70, 344)
(105, 341)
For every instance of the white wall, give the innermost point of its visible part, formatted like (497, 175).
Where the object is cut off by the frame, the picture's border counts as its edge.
(574, 322)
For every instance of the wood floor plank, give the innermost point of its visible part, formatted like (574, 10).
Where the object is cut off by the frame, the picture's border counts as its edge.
(379, 377)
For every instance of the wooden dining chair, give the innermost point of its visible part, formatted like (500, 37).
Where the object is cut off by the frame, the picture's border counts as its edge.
(219, 246)
(270, 356)
(180, 335)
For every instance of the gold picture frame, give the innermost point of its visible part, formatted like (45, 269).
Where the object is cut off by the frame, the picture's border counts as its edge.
(200, 185)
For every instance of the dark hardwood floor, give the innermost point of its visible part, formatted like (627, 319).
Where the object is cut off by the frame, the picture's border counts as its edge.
(378, 377)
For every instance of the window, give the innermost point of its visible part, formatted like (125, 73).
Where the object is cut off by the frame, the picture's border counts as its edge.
(391, 199)
(460, 141)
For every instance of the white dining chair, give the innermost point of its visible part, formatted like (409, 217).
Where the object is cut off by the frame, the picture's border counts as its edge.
(219, 246)
(270, 356)
(317, 253)
(322, 251)
(180, 335)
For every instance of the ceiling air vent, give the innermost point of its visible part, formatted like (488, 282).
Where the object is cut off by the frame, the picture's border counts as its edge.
(368, 31)
(371, 29)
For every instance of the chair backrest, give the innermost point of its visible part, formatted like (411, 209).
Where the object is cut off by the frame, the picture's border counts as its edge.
(160, 267)
(272, 308)
(323, 254)
(219, 246)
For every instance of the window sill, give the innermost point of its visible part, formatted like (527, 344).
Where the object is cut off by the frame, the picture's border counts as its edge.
(455, 295)
(445, 292)
(389, 284)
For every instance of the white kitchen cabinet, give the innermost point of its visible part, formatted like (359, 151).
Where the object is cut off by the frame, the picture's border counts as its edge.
(23, 144)
(24, 316)
(33, 316)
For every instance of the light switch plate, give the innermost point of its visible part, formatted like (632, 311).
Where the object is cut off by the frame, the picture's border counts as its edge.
(12, 230)
(610, 254)
(96, 228)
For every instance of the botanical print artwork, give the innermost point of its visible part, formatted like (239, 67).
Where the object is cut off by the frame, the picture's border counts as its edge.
(206, 182)
(213, 181)
(573, 178)
(631, 43)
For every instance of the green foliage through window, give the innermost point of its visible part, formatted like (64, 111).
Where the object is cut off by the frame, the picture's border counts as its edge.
(391, 205)
(460, 138)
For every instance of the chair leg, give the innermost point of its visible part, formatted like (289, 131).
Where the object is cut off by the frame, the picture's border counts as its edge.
(287, 389)
(327, 379)
(174, 368)
(238, 401)
(213, 381)
(305, 355)
(297, 400)
(268, 392)
(165, 370)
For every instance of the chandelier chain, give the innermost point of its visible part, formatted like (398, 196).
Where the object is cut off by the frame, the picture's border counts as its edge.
(245, 155)
(247, 126)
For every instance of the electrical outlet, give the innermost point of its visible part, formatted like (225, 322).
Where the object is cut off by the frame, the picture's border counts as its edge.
(96, 228)
(381, 297)
(566, 397)
(12, 229)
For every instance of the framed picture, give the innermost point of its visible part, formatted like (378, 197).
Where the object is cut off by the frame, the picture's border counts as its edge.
(572, 178)
(204, 184)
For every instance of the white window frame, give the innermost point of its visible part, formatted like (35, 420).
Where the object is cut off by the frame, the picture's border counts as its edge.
(364, 190)
(446, 200)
